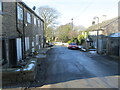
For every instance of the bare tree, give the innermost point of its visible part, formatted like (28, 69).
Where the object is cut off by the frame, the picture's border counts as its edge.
(49, 15)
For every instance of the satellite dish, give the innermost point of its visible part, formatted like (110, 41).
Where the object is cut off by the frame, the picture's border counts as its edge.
(34, 8)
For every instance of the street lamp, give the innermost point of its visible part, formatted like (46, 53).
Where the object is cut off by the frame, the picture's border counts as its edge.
(97, 30)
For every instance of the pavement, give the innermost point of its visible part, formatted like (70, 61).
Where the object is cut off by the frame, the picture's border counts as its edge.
(100, 82)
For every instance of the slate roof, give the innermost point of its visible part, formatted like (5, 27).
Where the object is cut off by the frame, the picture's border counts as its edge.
(115, 35)
(101, 25)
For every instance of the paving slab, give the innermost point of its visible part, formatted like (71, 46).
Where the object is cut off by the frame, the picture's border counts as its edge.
(100, 82)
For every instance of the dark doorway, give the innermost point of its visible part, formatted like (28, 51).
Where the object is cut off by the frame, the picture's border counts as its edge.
(12, 53)
(4, 52)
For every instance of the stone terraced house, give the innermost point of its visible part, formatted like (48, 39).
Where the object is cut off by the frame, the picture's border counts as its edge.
(21, 37)
(107, 43)
(22, 33)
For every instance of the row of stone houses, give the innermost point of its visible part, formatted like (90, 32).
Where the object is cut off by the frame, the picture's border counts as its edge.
(106, 39)
(22, 33)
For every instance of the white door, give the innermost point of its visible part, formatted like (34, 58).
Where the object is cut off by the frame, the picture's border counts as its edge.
(19, 49)
(33, 50)
(27, 43)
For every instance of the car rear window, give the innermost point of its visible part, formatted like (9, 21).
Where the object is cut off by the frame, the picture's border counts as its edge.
(72, 44)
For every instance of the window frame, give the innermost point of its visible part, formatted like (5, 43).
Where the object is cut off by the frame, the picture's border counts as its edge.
(1, 8)
(29, 18)
(37, 39)
(39, 23)
(35, 21)
(19, 12)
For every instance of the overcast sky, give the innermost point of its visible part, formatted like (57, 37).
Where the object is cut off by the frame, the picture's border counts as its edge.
(82, 11)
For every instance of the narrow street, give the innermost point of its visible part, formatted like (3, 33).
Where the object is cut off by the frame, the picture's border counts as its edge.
(63, 65)
(37, 37)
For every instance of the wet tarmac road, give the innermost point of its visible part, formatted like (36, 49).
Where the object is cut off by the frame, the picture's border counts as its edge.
(73, 69)
(64, 65)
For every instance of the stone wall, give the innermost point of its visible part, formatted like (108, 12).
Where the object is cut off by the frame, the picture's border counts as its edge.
(113, 46)
(9, 20)
(14, 28)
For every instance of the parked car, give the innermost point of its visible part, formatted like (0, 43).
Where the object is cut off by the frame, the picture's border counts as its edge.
(79, 47)
(83, 49)
(72, 46)
(57, 43)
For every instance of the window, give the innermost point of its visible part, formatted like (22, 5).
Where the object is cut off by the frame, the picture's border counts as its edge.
(37, 39)
(42, 26)
(39, 23)
(35, 20)
(39, 47)
(0, 6)
(28, 18)
(20, 13)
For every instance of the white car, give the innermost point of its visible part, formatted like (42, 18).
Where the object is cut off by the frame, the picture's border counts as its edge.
(58, 43)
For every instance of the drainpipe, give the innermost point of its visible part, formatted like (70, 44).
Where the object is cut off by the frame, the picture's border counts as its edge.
(119, 47)
(17, 19)
(20, 34)
(43, 38)
(24, 53)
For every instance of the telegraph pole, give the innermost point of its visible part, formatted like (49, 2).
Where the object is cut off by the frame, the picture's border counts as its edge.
(72, 23)
(97, 31)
